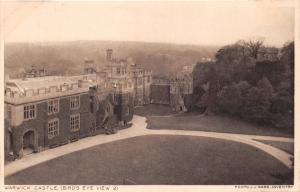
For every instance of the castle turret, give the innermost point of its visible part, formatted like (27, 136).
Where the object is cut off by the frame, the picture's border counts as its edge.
(89, 66)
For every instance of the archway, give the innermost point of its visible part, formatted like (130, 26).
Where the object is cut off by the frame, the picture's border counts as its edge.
(28, 143)
(180, 108)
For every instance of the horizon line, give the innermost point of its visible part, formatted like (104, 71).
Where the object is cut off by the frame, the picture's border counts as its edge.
(129, 41)
(132, 41)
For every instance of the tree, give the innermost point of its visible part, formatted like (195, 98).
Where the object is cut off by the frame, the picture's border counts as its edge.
(230, 100)
(233, 63)
(258, 102)
(212, 90)
(256, 106)
(243, 86)
(287, 60)
(266, 87)
(254, 45)
(273, 70)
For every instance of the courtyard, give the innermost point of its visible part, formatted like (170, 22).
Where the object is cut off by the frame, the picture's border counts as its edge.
(159, 159)
(203, 153)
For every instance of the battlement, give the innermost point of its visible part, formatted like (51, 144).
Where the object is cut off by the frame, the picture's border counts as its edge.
(148, 72)
(31, 95)
(181, 79)
(140, 72)
(161, 81)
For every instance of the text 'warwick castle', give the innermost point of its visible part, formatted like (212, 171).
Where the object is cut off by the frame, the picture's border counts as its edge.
(48, 111)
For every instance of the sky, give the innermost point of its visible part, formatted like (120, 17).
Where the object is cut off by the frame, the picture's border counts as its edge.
(203, 23)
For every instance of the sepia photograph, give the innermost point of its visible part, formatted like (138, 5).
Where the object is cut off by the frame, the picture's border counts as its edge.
(148, 93)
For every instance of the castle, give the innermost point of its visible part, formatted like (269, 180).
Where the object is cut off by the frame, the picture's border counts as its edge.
(43, 112)
(175, 90)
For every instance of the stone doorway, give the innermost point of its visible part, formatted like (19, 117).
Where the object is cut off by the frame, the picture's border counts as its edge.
(28, 143)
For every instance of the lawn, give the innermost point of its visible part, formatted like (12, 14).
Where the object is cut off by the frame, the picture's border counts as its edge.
(154, 110)
(213, 123)
(160, 160)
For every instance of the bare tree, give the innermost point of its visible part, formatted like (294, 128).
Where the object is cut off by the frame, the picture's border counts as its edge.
(254, 45)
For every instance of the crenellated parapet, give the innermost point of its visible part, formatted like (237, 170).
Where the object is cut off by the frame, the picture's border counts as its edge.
(41, 93)
(147, 72)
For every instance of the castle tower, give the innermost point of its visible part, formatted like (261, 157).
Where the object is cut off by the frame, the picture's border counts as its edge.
(109, 53)
(89, 66)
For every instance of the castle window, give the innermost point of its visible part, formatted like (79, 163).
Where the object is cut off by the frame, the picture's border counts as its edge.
(127, 110)
(148, 79)
(118, 71)
(108, 109)
(53, 128)
(29, 111)
(74, 102)
(75, 122)
(140, 81)
(115, 98)
(53, 106)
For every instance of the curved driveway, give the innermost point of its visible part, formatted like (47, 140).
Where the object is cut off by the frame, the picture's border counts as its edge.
(139, 129)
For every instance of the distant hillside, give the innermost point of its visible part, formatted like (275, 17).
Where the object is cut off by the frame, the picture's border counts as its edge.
(68, 57)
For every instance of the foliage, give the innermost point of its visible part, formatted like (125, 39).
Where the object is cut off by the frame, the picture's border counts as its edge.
(257, 102)
(287, 60)
(231, 98)
(253, 46)
(226, 103)
(266, 87)
(273, 70)
(257, 91)
(282, 103)
(233, 63)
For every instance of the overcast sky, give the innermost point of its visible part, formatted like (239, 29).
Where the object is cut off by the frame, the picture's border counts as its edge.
(194, 22)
